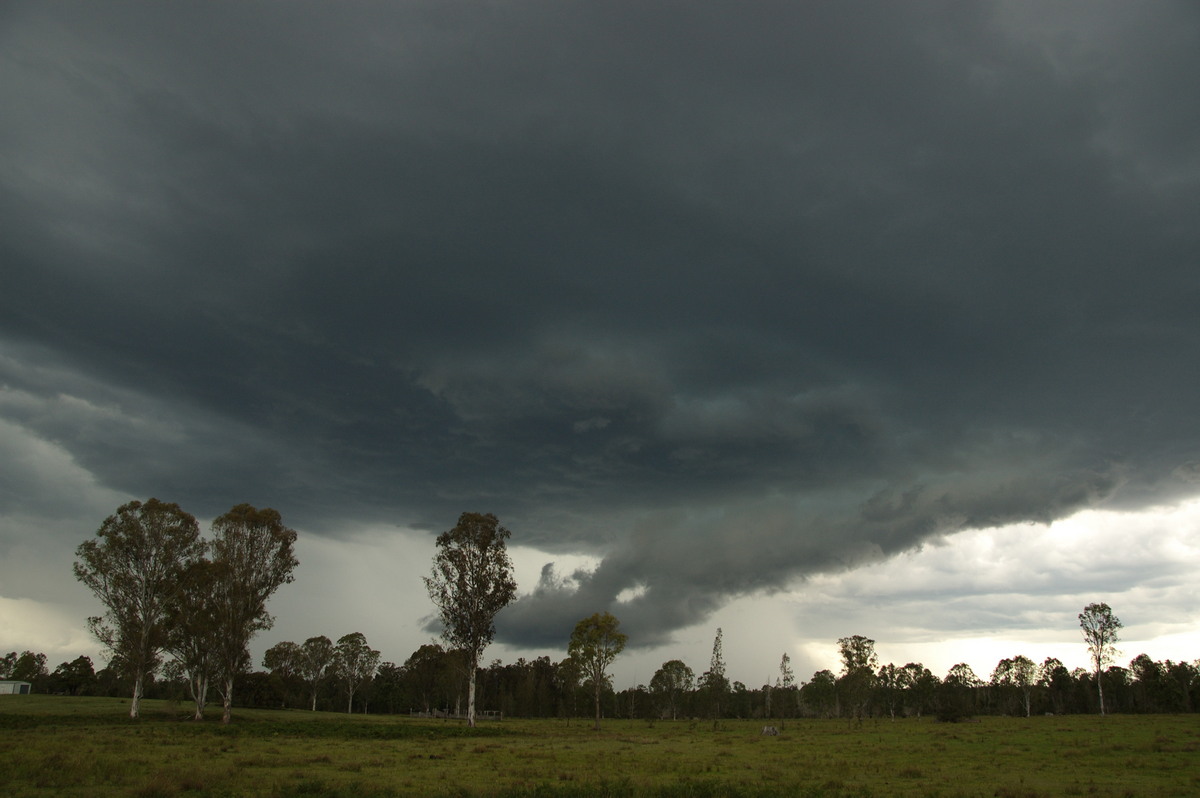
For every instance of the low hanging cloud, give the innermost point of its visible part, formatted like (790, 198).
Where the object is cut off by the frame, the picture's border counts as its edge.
(720, 299)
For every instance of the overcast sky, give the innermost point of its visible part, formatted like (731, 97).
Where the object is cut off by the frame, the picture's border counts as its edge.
(800, 319)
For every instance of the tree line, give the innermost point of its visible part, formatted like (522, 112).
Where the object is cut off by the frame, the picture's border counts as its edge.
(432, 682)
(169, 592)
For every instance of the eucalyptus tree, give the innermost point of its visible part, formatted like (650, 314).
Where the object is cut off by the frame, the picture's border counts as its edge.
(316, 658)
(892, 682)
(424, 671)
(282, 661)
(193, 634)
(29, 667)
(253, 555)
(956, 696)
(820, 693)
(1100, 628)
(283, 658)
(670, 682)
(1055, 680)
(134, 566)
(1020, 674)
(568, 673)
(594, 645)
(716, 684)
(921, 686)
(858, 673)
(354, 662)
(74, 677)
(786, 682)
(472, 580)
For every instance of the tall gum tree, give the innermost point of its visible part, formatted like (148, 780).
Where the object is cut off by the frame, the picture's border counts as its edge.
(715, 681)
(472, 580)
(134, 566)
(282, 661)
(316, 659)
(1017, 673)
(355, 663)
(858, 673)
(1100, 628)
(594, 645)
(192, 632)
(671, 681)
(253, 554)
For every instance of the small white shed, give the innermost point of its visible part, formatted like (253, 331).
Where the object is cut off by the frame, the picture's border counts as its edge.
(14, 688)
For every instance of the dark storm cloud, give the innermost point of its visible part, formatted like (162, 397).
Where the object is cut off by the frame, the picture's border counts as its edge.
(723, 296)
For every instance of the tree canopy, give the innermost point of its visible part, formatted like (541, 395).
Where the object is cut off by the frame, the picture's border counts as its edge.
(595, 643)
(134, 566)
(354, 662)
(1100, 627)
(670, 681)
(252, 553)
(472, 580)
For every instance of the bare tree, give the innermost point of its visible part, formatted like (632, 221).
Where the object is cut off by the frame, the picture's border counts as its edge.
(472, 580)
(594, 645)
(134, 566)
(1100, 629)
(253, 556)
(354, 662)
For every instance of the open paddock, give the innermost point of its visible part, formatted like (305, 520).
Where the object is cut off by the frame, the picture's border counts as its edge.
(58, 746)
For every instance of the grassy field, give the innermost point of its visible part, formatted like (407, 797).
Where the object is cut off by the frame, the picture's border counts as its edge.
(89, 747)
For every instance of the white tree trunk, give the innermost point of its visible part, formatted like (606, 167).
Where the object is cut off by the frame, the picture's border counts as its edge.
(199, 689)
(227, 701)
(136, 702)
(597, 697)
(471, 691)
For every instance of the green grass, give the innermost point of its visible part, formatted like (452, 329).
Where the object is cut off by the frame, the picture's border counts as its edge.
(55, 746)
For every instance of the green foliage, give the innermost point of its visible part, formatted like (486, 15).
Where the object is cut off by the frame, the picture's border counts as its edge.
(1100, 628)
(670, 682)
(73, 677)
(1016, 676)
(28, 667)
(858, 673)
(820, 694)
(594, 645)
(714, 683)
(134, 565)
(472, 580)
(252, 556)
(316, 658)
(354, 662)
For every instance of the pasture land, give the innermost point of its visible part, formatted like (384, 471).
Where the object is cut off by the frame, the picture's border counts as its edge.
(55, 746)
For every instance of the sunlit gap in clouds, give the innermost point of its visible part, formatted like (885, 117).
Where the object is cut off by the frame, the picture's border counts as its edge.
(977, 597)
(982, 595)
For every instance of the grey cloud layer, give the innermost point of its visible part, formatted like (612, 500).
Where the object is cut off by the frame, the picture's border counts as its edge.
(724, 296)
